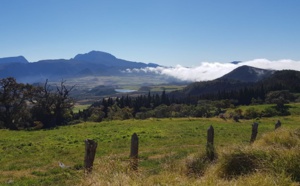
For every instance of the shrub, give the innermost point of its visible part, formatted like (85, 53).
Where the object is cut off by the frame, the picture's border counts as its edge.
(196, 166)
(269, 112)
(240, 162)
(251, 113)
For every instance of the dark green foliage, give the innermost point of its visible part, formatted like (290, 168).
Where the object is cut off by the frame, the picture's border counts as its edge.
(13, 104)
(269, 112)
(251, 113)
(280, 97)
(21, 106)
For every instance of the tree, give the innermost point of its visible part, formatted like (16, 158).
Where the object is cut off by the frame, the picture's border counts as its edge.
(52, 108)
(117, 113)
(63, 104)
(97, 114)
(280, 98)
(13, 103)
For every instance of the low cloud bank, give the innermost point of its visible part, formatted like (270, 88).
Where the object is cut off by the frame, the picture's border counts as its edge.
(212, 70)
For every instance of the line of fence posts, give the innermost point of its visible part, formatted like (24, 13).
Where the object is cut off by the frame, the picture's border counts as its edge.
(91, 146)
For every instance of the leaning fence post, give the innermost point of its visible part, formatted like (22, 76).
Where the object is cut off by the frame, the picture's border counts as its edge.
(210, 150)
(134, 150)
(254, 132)
(278, 124)
(90, 151)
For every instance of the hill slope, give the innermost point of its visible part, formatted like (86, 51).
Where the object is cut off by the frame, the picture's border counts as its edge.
(248, 74)
(239, 79)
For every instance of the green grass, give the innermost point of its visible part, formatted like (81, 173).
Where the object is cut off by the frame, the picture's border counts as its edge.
(78, 107)
(31, 157)
(167, 88)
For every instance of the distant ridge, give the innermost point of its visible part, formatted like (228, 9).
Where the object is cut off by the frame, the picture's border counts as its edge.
(95, 56)
(235, 62)
(248, 74)
(94, 63)
(17, 59)
(244, 78)
(240, 77)
(109, 60)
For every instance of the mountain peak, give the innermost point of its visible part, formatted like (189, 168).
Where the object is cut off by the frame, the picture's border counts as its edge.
(248, 74)
(235, 62)
(17, 59)
(95, 56)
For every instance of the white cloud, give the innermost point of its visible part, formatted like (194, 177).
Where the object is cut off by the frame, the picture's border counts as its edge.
(212, 70)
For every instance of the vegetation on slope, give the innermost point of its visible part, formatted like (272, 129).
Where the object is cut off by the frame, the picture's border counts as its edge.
(166, 148)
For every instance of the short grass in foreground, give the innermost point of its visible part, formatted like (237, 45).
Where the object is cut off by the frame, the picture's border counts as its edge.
(31, 157)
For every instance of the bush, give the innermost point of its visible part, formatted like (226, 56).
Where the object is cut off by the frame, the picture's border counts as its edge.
(240, 162)
(196, 166)
(269, 112)
(251, 113)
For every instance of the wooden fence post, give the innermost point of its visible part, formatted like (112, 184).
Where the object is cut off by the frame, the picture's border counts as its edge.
(90, 151)
(254, 132)
(278, 124)
(134, 150)
(210, 150)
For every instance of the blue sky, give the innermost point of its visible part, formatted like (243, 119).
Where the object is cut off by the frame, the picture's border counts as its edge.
(167, 32)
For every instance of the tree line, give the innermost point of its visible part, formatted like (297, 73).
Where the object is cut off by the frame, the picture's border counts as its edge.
(166, 106)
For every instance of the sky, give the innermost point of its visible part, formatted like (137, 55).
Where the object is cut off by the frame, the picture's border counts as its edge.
(173, 33)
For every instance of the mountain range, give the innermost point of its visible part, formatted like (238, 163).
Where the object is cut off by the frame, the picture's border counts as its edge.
(94, 63)
(93, 73)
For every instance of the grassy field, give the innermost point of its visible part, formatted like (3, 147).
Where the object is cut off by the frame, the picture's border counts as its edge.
(79, 107)
(166, 145)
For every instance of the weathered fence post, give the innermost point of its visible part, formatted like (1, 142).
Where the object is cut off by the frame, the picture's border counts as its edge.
(254, 132)
(90, 151)
(134, 150)
(210, 150)
(278, 124)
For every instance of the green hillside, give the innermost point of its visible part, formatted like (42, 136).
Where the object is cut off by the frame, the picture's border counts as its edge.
(167, 149)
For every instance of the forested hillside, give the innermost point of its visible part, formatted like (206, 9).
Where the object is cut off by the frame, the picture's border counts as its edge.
(203, 99)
